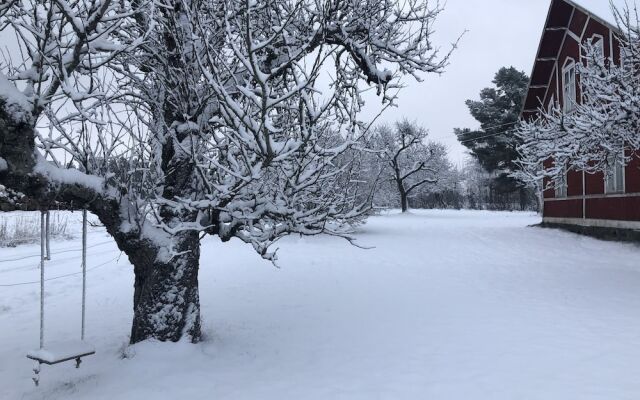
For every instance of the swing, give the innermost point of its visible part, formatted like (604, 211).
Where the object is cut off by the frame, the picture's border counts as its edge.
(55, 353)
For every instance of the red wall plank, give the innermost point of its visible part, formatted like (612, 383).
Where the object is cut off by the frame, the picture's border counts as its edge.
(578, 22)
(563, 208)
(560, 14)
(614, 208)
(552, 92)
(632, 175)
(594, 183)
(574, 183)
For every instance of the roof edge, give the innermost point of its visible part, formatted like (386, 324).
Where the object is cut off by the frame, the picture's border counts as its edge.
(603, 21)
(609, 25)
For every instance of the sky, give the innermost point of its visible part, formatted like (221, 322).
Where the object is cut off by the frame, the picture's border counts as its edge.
(499, 33)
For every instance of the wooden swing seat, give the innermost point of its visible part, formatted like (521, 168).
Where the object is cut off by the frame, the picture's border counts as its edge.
(59, 352)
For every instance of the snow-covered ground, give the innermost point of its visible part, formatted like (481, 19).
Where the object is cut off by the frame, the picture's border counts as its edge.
(448, 305)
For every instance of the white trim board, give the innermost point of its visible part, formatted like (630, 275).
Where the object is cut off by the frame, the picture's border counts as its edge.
(594, 196)
(595, 223)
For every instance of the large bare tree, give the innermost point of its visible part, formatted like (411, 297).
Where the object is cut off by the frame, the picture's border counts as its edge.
(175, 120)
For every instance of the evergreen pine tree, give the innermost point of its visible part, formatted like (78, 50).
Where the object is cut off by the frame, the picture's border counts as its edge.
(494, 145)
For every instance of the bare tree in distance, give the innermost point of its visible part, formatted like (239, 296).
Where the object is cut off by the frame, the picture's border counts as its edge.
(406, 160)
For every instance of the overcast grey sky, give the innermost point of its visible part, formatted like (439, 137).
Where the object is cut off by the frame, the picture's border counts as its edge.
(500, 33)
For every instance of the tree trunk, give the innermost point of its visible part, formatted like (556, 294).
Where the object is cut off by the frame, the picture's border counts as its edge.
(166, 301)
(404, 201)
(404, 198)
(523, 198)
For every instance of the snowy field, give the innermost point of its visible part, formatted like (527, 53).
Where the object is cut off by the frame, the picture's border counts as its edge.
(448, 305)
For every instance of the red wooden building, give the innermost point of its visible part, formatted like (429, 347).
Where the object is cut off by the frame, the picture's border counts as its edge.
(598, 202)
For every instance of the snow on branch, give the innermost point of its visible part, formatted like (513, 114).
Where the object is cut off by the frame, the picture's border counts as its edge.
(603, 129)
(211, 116)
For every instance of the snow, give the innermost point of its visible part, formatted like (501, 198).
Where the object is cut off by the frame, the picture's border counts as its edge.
(68, 175)
(61, 351)
(449, 305)
(10, 93)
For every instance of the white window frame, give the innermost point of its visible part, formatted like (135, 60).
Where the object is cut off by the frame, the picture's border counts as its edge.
(561, 185)
(569, 89)
(615, 176)
(600, 45)
(552, 104)
(623, 57)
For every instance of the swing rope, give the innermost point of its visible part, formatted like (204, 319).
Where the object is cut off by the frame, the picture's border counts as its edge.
(84, 268)
(48, 233)
(43, 238)
(60, 352)
(45, 255)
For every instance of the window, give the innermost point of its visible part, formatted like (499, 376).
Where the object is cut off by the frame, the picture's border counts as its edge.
(560, 185)
(552, 104)
(598, 45)
(569, 86)
(624, 56)
(614, 176)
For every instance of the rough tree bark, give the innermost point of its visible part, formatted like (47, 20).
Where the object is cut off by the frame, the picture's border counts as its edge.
(404, 198)
(166, 301)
